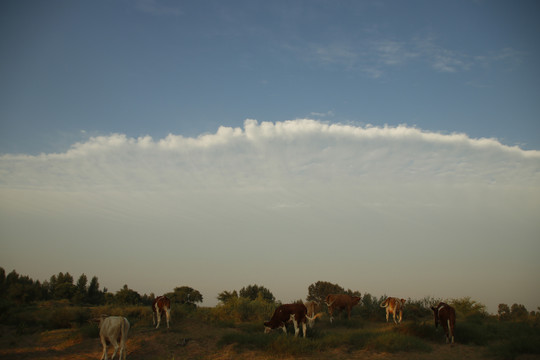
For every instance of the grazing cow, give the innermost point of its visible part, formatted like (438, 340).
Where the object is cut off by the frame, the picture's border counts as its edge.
(161, 305)
(341, 302)
(312, 308)
(446, 315)
(113, 329)
(297, 313)
(393, 306)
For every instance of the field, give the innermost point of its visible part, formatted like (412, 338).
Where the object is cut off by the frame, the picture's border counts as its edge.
(64, 332)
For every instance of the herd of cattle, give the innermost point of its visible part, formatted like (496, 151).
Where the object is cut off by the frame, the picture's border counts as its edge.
(114, 329)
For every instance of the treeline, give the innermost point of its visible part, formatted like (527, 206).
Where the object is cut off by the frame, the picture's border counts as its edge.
(21, 289)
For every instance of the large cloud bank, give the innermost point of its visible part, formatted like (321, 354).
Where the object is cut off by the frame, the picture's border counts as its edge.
(377, 209)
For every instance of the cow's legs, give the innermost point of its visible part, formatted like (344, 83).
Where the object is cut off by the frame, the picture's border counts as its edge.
(284, 328)
(387, 314)
(158, 314)
(168, 315)
(296, 328)
(445, 328)
(451, 331)
(115, 345)
(104, 343)
(304, 328)
(400, 316)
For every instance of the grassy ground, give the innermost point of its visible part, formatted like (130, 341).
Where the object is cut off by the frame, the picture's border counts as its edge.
(199, 336)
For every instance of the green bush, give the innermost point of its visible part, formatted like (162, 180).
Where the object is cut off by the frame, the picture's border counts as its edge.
(516, 346)
(244, 310)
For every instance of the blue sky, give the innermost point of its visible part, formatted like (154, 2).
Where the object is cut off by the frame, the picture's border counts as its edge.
(153, 68)
(198, 138)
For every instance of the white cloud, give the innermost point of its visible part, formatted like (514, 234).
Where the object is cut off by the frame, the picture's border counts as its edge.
(343, 200)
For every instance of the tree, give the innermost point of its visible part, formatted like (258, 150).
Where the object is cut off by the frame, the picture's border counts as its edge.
(2, 282)
(95, 296)
(321, 289)
(185, 295)
(503, 312)
(225, 296)
(252, 292)
(126, 296)
(468, 307)
(81, 292)
(61, 286)
(518, 312)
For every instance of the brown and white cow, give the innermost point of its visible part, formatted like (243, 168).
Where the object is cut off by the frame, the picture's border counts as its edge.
(341, 302)
(297, 313)
(161, 305)
(446, 315)
(394, 306)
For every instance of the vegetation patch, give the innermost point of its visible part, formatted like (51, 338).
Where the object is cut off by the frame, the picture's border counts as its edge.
(394, 342)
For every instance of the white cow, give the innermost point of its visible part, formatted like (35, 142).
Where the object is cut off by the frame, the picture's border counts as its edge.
(114, 329)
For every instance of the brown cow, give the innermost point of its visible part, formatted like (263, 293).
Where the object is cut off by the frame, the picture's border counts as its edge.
(446, 315)
(312, 308)
(394, 306)
(341, 302)
(161, 305)
(297, 313)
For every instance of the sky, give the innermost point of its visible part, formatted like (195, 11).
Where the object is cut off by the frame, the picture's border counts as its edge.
(390, 147)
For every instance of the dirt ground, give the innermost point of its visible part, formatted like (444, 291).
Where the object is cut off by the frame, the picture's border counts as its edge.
(189, 340)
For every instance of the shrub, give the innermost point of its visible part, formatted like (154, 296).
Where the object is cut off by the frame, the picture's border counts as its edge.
(244, 310)
(515, 346)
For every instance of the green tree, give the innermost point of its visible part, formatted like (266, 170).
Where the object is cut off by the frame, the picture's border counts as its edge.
(61, 286)
(81, 292)
(518, 312)
(2, 282)
(185, 295)
(225, 296)
(469, 308)
(126, 296)
(321, 289)
(503, 312)
(95, 296)
(252, 292)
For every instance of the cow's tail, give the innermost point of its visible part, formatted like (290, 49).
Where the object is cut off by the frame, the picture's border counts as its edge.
(384, 303)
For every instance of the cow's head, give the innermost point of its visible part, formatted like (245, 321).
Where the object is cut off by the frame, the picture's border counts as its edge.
(436, 315)
(356, 299)
(267, 327)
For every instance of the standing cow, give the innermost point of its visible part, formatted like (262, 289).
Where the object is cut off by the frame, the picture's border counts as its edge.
(341, 302)
(113, 329)
(393, 306)
(161, 305)
(446, 315)
(297, 313)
